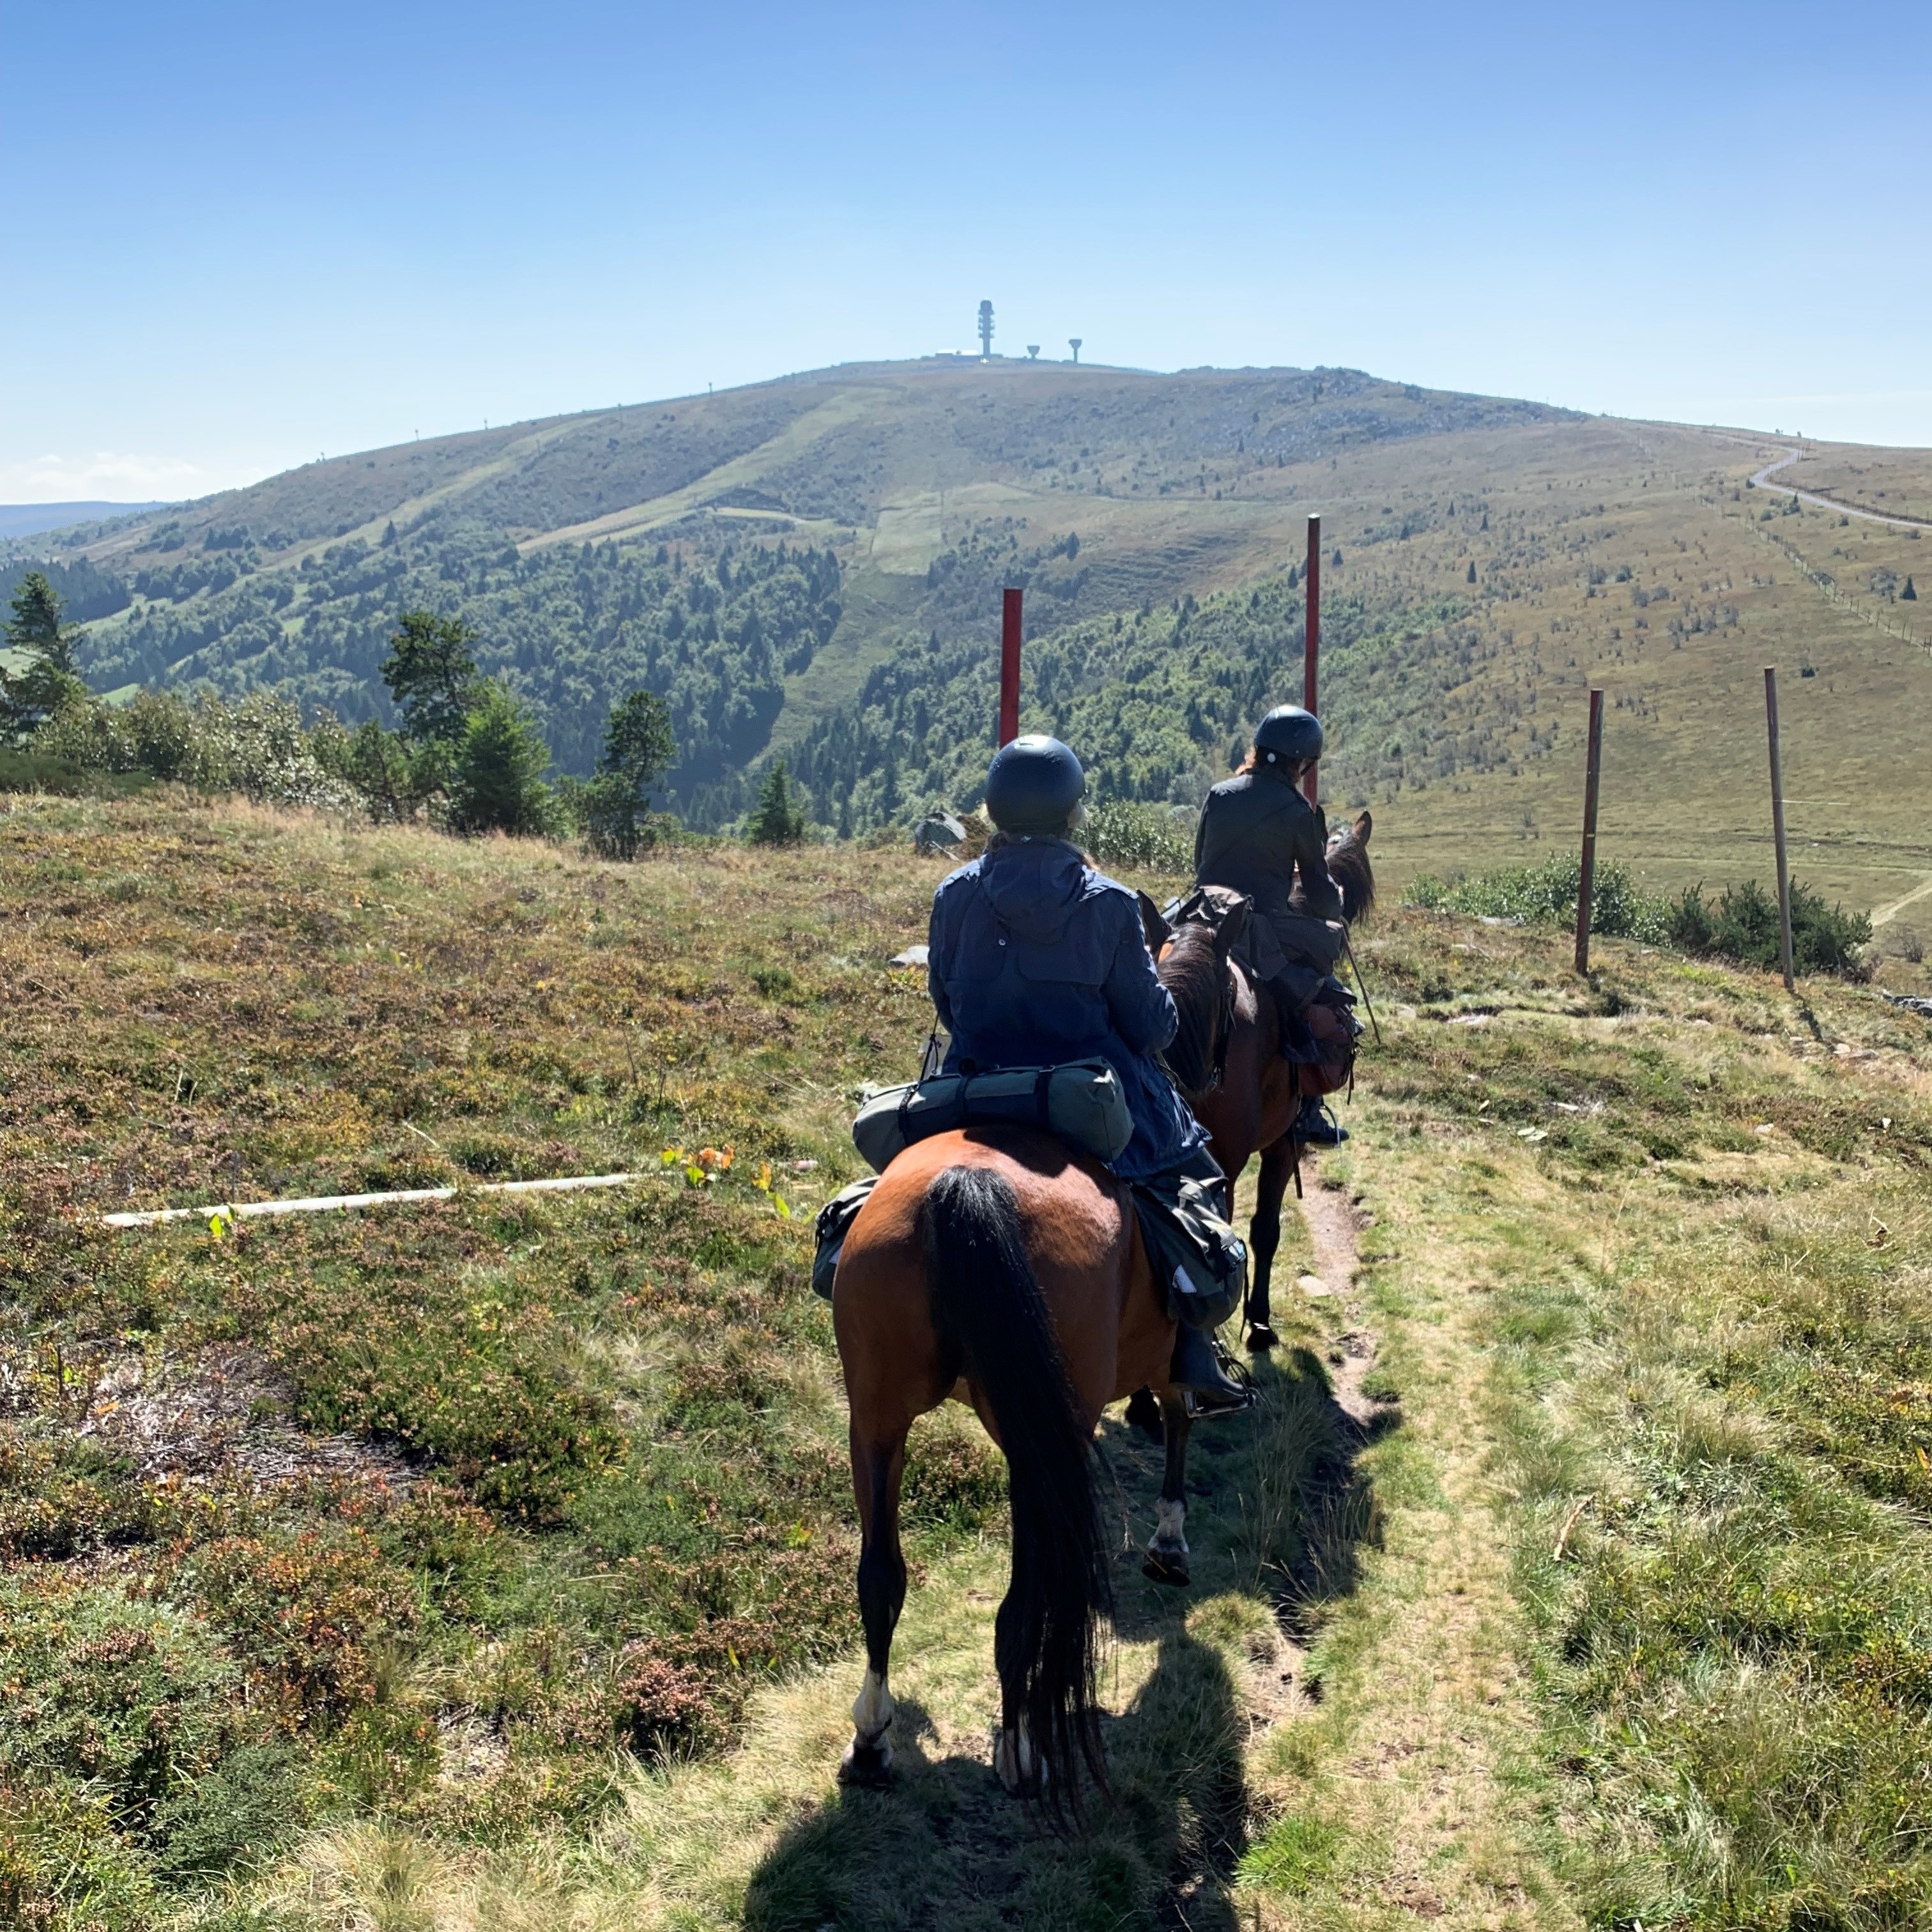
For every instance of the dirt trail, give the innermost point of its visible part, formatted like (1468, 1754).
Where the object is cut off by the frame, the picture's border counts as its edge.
(1335, 1224)
(1825, 502)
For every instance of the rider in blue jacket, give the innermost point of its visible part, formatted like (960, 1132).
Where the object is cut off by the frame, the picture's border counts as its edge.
(1036, 959)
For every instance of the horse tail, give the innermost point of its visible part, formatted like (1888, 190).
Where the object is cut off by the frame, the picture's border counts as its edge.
(987, 1303)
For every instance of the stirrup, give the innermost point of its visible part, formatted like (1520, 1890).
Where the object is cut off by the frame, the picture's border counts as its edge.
(1316, 1126)
(1207, 1386)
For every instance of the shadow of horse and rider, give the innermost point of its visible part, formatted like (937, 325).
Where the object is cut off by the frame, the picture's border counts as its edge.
(945, 1846)
(997, 1268)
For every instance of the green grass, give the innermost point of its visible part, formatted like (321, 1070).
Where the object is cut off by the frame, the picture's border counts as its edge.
(489, 1565)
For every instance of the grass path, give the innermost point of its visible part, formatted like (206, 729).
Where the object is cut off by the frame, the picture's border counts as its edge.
(1330, 1726)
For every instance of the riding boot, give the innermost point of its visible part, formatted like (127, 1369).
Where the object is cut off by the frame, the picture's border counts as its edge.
(1316, 1126)
(1196, 1370)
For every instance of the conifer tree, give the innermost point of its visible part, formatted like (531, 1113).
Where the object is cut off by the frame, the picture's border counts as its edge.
(777, 819)
(638, 750)
(49, 682)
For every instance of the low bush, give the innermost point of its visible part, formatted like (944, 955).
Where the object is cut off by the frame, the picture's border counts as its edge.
(1546, 895)
(256, 746)
(1153, 838)
(1741, 925)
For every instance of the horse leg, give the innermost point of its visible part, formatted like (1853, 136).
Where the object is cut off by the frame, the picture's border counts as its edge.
(877, 1469)
(1166, 1559)
(1278, 1163)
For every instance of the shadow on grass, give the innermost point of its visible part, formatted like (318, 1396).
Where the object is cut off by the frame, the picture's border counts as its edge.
(1278, 1508)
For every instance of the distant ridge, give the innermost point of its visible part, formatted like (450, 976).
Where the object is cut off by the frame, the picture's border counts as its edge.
(30, 519)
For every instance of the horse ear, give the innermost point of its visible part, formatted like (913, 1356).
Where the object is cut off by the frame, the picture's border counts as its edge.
(1364, 825)
(1157, 931)
(1232, 927)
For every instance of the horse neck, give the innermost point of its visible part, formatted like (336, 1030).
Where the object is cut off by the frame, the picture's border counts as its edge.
(1192, 969)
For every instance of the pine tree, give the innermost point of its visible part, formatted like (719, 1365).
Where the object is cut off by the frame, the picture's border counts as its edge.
(50, 682)
(432, 676)
(638, 750)
(1908, 595)
(496, 772)
(776, 819)
(1472, 570)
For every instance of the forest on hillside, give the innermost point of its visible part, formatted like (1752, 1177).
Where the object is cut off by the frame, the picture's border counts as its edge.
(569, 629)
(1160, 701)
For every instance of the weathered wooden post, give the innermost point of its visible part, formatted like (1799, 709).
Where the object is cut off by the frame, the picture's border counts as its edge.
(1311, 592)
(1777, 826)
(1586, 885)
(1010, 667)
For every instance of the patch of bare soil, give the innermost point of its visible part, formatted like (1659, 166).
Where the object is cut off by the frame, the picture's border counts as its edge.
(223, 1413)
(1335, 1224)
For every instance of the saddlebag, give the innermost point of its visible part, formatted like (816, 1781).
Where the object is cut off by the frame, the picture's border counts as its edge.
(1200, 1261)
(1082, 1103)
(834, 1219)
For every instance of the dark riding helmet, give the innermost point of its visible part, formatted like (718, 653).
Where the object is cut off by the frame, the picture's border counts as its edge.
(1287, 733)
(1034, 786)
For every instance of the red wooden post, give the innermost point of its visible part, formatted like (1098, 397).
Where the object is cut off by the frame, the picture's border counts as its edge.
(1010, 667)
(1311, 591)
(1586, 885)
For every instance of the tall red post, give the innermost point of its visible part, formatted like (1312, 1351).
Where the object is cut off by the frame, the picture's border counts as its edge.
(1311, 587)
(1010, 667)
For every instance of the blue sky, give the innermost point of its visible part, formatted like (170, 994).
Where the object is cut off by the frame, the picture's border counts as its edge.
(244, 234)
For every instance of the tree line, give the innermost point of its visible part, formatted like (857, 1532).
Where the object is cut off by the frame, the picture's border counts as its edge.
(467, 753)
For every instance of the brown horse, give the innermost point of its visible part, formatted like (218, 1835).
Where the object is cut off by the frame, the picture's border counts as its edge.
(1227, 1057)
(998, 1268)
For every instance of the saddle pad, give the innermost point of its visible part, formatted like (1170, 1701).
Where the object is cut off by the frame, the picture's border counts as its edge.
(1081, 1102)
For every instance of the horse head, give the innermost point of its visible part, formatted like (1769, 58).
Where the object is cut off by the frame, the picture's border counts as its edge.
(1348, 867)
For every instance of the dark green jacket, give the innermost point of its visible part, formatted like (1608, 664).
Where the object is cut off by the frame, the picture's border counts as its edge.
(1257, 832)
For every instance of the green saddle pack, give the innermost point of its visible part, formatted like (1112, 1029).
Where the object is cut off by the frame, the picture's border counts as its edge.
(1200, 1261)
(1081, 1102)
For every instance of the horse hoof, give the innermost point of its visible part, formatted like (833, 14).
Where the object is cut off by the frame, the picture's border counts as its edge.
(1261, 1338)
(1169, 1567)
(867, 1766)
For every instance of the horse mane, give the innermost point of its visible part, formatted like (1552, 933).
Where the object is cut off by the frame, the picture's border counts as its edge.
(1348, 867)
(1193, 971)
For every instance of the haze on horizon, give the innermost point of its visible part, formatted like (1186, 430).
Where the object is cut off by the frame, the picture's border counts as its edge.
(266, 236)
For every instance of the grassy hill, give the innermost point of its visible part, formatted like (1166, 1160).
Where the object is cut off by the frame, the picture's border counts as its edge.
(487, 1564)
(810, 566)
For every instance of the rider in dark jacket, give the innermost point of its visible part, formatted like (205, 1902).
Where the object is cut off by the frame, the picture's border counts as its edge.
(1036, 959)
(1259, 835)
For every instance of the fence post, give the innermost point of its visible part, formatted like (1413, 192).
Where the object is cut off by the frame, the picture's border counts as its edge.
(1311, 583)
(1586, 885)
(1010, 667)
(1777, 826)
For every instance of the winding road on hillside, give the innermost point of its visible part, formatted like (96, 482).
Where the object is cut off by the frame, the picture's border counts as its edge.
(1832, 502)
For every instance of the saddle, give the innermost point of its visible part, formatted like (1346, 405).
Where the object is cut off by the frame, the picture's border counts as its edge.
(1294, 957)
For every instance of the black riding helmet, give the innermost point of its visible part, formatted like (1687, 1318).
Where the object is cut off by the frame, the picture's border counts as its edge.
(1034, 787)
(1288, 734)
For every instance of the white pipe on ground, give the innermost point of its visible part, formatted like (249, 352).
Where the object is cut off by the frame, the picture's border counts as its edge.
(148, 1217)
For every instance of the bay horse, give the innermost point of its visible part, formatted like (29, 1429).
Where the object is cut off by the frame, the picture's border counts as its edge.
(1226, 1058)
(998, 1267)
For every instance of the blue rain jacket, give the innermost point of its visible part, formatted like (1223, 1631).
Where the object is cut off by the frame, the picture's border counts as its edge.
(1036, 959)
